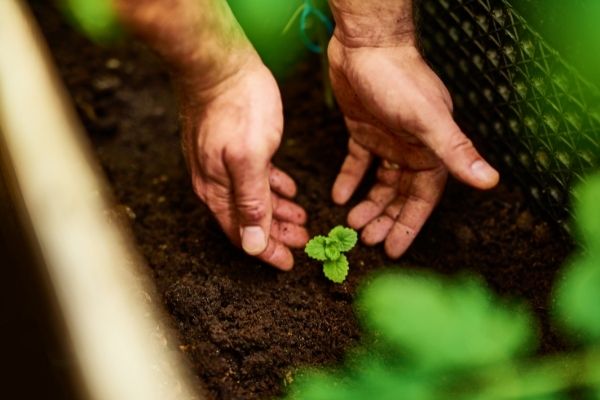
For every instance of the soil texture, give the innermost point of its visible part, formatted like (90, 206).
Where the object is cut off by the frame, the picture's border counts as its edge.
(243, 326)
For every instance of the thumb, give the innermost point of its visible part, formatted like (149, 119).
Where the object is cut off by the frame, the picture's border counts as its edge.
(459, 155)
(252, 199)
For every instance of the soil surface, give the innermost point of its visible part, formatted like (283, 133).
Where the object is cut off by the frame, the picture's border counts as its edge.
(244, 326)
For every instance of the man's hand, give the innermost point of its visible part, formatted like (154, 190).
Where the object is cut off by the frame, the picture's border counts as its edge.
(231, 131)
(396, 108)
(232, 121)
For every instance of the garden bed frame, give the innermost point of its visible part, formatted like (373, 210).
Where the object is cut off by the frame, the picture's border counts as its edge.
(116, 329)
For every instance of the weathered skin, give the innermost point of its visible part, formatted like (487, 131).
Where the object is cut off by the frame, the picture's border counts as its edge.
(232, 121)
(396, 108)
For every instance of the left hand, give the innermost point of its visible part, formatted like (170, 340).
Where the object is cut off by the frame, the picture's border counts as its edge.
(397, 108)
(230, 132)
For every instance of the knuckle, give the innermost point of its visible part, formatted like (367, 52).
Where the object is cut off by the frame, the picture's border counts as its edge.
(267, 144)
(393, 212)
(269, 254)
(253, 210)
(207, 155)
(276, 229)
(218, 203)
(206, 150)
(212, 167)
(199, 188)
(447, 99)
(460, 143)
(244, 154)
(234, 156)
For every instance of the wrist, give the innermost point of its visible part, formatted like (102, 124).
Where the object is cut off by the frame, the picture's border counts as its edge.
(199, 40)
(204, 76)
(360, 24)
(196, 87)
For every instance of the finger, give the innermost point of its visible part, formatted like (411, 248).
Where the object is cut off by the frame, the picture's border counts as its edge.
(378, 229)
(277, 255)
(353, 170)
(220, 202)
(249, 173)
(289, 234)
(285, 210)
(410, 215)
(458, 153)
(378, 198)
(410, 221)
(281, 183)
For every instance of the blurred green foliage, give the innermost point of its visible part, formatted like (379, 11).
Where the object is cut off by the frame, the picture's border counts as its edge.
(578, 293)
(569, 26)
(264, 22)
(587, 214)
(578, 299)
(423, 333)
(429, 338)
(96, 18)
(427, 321)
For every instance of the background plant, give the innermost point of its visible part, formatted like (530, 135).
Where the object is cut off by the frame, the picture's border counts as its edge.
(96, 18)
(266, 23)
(429, 338)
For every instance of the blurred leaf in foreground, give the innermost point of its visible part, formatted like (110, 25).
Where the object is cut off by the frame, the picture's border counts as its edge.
(435, 324)
(425, 337)
(578, 293)
(578, 299)
(373, 380)
(587, 213)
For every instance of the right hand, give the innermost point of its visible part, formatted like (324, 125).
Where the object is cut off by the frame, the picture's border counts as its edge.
(396, 108)
(230, 132)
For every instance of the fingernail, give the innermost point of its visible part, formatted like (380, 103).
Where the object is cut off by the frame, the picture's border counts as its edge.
(483, 172)
(253, 240)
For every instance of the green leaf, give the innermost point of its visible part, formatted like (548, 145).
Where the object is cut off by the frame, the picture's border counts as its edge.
(435, 324)
(578, 296)
(373, 380)
(336, 270)
(315, 248)
(346, 237)
(332, 249)
(578, 292)
(587, 212)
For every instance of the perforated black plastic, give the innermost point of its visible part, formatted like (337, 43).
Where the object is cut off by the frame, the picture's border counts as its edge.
(537, 116)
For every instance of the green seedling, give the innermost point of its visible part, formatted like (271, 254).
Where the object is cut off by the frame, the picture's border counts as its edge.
(330, 249)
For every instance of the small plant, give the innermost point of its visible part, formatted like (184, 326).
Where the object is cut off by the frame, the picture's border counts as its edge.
(330, 249)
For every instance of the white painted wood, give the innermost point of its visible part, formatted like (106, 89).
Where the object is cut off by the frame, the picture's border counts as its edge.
(116, 328)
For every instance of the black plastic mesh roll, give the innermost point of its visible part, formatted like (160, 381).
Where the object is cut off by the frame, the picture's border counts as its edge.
(539, 119)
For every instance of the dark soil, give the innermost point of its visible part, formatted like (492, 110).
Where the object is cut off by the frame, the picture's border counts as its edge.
(244, 326)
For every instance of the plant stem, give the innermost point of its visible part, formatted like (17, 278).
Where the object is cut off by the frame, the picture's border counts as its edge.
(293, 18)
(323, 38)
